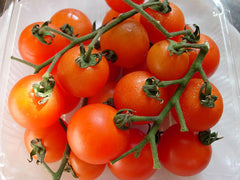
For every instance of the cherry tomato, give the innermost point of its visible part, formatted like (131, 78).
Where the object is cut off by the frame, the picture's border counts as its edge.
(197, 117)
(165, 66)
(130, 168)
(33, 51)
(128, 94)
(81, 82)
(182, 153)
(114, 72)
(127, 34)
(121, 6)
(173, 21)
(75, 18)
(53, 138)
(85, 170)
(111, 15)
(106, 92)
(93, 136)
(25, 108)
(211, 60)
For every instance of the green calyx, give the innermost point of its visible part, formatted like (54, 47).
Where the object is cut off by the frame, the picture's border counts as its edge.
(44, 89)
(164, 8)
(37, 149)
(122, 119)
(151, 88)
(67, 29)
(87, 59)
(208, 137)
(40, 33)
(205, 96)
(193, 37)
(110, 55)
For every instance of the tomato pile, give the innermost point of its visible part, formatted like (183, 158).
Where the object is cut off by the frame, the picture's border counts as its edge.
(141, 66)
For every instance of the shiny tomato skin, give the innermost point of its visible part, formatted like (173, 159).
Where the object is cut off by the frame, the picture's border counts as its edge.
(53, 138)
(131, 168)
(129, 94)
(182, 153)
(128, 34)
(165, 66)
(85, 170)
(77, 19)
(25, 109)
(33, 51)
(120, 6)
(173, 21)
(211, 60)
(81, 82)
(93, 136)
(197, 117)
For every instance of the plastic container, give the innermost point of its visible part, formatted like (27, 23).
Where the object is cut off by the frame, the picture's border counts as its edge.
(212, 19)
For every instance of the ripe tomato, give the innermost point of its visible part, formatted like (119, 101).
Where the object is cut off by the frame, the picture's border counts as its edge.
(182, 153)
(75, 18)
(172, 22)
(130, 168)
(127, 34)
(114, 72)
(33, 51)
(53, 138)
(25, 109)
(111, 14)
(93, 136)
(85, 170)
(211, 60)
(106, 92)
(165, 66)
(121, 6)
(197, 117)
(81, 82)
(129, 94)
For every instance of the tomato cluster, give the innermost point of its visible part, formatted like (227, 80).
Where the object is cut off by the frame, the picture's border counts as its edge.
(140, 54)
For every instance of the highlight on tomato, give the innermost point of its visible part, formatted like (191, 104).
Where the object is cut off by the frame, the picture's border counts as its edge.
(166, 66)
(26, 109)
(129, 94)
(36, 52)
(197, 116)
(128, 34)
(84, 170)
(172, 21)
(120, 6)
(182, 153)
(93, 136)
(53, 139)
(79, 22)
(130, 167)
(81, 81)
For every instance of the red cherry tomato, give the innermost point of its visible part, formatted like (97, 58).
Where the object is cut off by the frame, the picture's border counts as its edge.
(85, 170)
(130, 168)
(53, 138)
(165, 66)
(121, 6)
(197, 117)
(93, 136)
(182, 153)
(128, 34)
(81, 82)
(25, 109)
(173, 21)
(75, 18)
(33, 51)
(129, 94)
(211, 60)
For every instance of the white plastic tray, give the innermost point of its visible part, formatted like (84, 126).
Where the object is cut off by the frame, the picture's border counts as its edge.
(211, 17)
